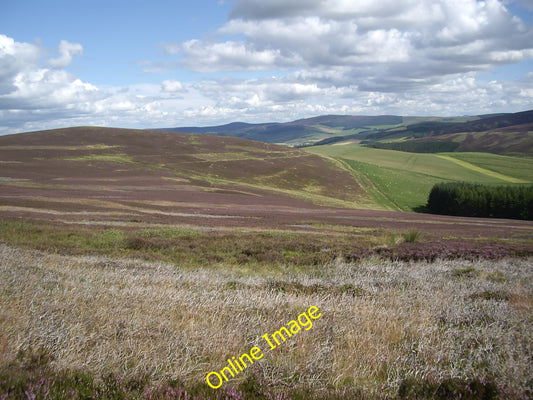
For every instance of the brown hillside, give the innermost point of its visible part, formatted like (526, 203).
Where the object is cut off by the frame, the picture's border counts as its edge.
(201, 160)
(106, 168)
(513, 140)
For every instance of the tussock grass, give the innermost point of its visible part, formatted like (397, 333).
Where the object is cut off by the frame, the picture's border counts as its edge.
(411, 235)
(385, 325)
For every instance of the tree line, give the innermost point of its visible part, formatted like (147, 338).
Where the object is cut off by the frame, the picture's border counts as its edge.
(474, 200)
(412, 146)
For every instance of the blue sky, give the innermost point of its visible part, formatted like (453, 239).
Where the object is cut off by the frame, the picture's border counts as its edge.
(144, 64)
(115, 35)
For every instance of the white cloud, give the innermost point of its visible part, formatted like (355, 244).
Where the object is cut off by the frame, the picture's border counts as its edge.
(227, 56)
(31, 94)
(15, 57)
(35, 96)
(301, 95)
(421, 39)
(27, 86)
(67, 51)
(173, 86)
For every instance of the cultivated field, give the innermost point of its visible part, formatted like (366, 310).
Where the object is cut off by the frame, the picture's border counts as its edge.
(402, 181)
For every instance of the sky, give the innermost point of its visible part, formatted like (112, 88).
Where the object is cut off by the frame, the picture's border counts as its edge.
(159, 63)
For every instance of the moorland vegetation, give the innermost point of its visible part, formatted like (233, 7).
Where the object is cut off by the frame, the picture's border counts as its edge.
(133, 263)
(98, 327)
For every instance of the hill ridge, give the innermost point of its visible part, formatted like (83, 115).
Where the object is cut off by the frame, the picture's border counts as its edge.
(328, 129)
(181, 167)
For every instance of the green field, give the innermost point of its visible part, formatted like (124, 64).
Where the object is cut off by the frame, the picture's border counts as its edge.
(402, 181)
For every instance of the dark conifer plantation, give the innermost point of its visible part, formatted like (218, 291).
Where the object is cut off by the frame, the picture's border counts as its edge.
(471, 200)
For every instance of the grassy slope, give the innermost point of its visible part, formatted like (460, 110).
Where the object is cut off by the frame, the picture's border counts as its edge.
(512, 141)
(508, 134)
(384, 179)
(519, 168)
(402, 181)
(515, 140)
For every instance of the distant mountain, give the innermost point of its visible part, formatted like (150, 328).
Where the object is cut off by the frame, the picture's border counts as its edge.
(300, 132)
(484, 123)
(510, 133)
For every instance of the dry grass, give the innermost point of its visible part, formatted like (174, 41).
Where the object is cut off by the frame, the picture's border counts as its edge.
(382, 322)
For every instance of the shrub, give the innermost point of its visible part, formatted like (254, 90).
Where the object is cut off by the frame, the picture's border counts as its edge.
(431, 251)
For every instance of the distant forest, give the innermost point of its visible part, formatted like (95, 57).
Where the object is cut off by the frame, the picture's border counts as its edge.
(417, 147)
(472, 200)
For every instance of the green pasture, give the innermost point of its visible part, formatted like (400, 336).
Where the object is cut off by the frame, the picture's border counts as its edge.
(402, 181)
(516, 167)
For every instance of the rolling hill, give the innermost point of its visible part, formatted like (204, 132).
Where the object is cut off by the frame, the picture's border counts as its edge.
(510, 134)
(136, 261)
(119, 172)
(300, 132)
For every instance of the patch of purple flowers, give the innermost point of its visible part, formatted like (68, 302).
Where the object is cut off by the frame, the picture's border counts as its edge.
(448, 250)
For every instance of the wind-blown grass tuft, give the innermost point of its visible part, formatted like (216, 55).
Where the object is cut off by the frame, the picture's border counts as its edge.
(411, 236)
